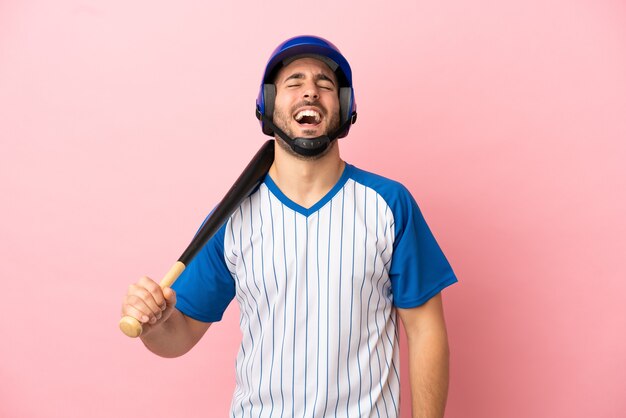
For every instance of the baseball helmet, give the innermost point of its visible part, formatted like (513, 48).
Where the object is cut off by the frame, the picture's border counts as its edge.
(299, 47)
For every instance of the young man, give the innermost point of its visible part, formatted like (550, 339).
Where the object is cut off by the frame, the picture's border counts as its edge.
(320, 257)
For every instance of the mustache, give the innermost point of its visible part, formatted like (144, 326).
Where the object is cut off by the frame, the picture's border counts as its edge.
(309, 103)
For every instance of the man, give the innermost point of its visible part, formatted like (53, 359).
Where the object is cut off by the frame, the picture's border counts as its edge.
(320, 257)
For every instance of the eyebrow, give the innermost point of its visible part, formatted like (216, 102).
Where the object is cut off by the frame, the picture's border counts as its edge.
(317, 77)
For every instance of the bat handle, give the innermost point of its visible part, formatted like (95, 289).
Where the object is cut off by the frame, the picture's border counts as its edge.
(131, 326)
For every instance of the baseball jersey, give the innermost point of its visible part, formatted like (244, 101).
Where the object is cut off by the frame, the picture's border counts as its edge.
(316, 289)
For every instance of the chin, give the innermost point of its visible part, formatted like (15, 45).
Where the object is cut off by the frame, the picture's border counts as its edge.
(308, 133)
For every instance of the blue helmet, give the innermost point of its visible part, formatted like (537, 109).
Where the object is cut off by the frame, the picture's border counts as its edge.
(303, 46)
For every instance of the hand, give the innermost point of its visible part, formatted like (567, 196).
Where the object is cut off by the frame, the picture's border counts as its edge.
(148, 303)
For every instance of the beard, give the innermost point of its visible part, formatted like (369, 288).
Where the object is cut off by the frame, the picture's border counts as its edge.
(282, 121)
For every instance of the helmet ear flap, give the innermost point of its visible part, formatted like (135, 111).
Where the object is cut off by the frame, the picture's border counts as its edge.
(346, 103)
(345, 97)
(269, 97)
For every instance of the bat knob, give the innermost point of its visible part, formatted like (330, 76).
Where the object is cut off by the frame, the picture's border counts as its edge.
(130, 326)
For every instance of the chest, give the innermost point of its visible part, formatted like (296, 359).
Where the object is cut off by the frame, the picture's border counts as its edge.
(341, 250)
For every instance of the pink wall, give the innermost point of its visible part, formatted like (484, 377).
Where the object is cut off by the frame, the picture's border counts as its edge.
(122, 123)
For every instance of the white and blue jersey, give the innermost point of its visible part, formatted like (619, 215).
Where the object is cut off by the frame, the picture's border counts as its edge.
(317, 289)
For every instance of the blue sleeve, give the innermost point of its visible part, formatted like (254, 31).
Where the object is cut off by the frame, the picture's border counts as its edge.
(419, 269)
(205, 288)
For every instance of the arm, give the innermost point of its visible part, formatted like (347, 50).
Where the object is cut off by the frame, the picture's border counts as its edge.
(428, 357)
(167, 332)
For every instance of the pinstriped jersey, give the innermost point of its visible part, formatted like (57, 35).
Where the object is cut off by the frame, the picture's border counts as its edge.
(317, 289)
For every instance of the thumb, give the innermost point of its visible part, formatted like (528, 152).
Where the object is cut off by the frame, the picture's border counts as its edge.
(170, 297)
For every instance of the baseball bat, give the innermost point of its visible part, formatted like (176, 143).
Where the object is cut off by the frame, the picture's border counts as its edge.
(247, 182)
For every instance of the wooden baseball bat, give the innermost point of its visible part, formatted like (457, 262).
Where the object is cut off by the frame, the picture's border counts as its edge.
(247, 182)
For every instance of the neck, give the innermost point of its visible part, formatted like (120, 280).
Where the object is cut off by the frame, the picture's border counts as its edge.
(306, 181)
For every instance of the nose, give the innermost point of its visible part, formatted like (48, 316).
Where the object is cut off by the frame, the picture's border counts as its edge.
(311, 91)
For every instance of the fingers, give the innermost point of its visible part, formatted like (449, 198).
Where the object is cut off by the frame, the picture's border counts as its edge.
(146, 301)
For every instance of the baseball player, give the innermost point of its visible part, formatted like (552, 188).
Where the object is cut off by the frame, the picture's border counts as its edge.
(322, 258)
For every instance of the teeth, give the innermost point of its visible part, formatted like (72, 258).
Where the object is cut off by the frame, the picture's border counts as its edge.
(308, 112)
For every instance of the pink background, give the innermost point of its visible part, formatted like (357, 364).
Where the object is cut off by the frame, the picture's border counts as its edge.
(122, 123)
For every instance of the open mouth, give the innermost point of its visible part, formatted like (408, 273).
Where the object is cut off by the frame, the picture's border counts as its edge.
(308, 117)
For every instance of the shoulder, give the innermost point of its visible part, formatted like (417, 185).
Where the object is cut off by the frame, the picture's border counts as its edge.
(394, 193)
